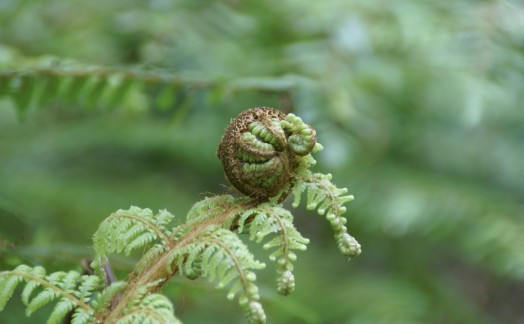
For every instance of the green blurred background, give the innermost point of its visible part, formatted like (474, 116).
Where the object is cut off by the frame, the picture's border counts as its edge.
(419, 105)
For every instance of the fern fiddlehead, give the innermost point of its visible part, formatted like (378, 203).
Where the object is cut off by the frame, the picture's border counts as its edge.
(260, 150)
(266, 155)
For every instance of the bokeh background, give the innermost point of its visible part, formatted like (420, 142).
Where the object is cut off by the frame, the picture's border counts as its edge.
(419, 105)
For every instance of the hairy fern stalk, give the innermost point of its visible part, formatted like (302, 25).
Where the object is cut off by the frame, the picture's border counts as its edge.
(268, 157)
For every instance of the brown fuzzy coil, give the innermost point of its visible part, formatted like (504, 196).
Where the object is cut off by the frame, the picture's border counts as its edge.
(256, 155)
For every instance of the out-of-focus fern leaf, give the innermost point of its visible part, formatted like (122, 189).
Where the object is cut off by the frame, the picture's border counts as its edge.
(92, 86)
(88, 85)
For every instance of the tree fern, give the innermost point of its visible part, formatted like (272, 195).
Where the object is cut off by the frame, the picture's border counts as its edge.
(207, 244)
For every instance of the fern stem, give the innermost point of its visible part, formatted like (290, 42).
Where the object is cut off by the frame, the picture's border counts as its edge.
(284, 233)
(155, 272)
(205, 220)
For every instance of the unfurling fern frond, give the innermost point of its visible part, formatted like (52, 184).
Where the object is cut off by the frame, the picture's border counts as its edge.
(223, 258)
(70, 290)
(327, 199)
(267, 219)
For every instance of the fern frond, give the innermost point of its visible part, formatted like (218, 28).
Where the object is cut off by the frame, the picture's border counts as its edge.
(327, 199)
(266, 219)
(128, 230)
(56, 80)
(70, 290)
(223, 258)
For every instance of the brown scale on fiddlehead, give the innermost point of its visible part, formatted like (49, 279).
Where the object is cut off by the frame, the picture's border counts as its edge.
(260, 151)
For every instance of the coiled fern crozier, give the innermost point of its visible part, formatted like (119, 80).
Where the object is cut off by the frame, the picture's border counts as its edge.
(266, 156)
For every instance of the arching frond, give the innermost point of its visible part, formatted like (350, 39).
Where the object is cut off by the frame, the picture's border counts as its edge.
(266, 219)
(327, 199)
(322, 195)
(70, 290)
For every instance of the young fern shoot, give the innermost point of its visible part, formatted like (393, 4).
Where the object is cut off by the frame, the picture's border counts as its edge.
(266, 155)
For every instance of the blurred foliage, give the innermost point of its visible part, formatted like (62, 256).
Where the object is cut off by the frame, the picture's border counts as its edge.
(417, 103)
